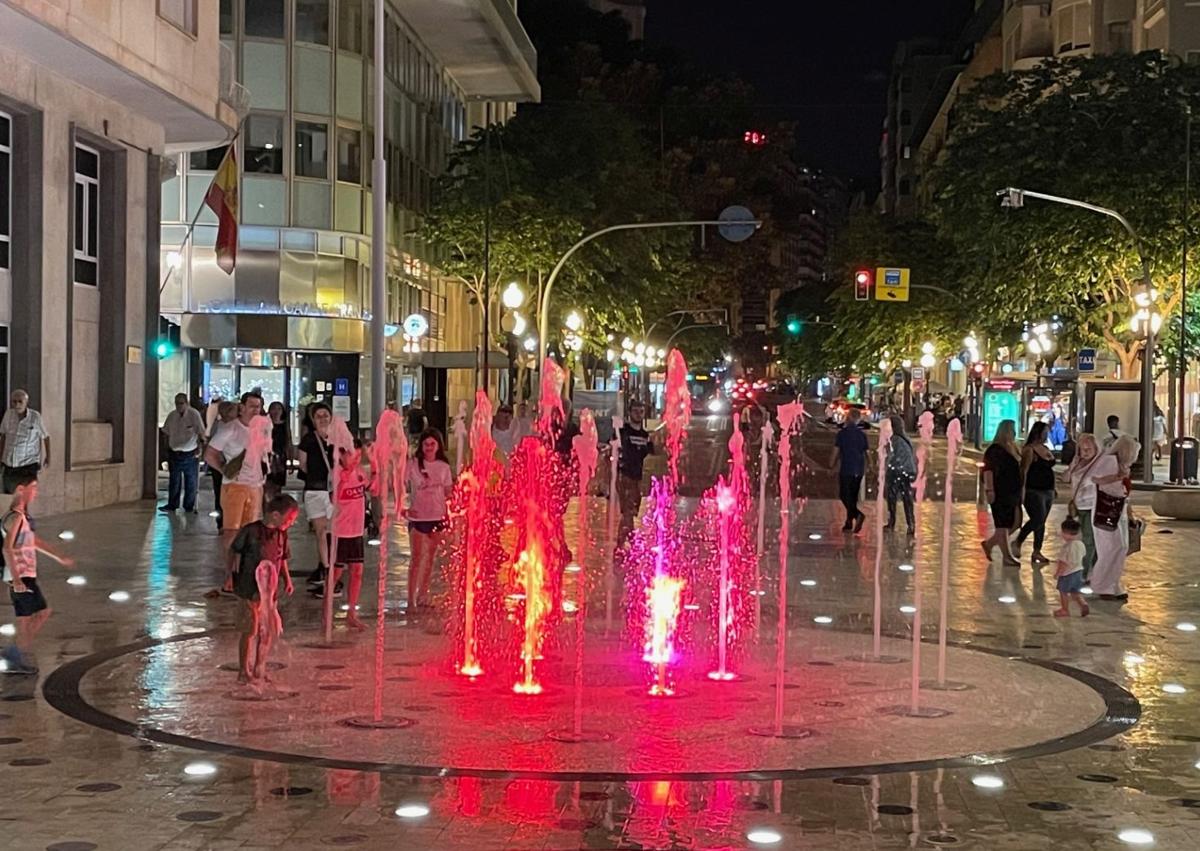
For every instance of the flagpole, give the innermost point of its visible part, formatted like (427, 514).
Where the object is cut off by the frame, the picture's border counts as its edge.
(199, 208)
(379, 231)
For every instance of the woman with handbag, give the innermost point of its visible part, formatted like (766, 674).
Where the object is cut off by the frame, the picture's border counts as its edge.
(1083, 495)
(900, 475)
(1002, 483)
(1037, 493)
(1110, 517)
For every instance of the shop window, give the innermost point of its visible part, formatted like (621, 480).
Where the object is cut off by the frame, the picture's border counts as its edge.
(87, 215)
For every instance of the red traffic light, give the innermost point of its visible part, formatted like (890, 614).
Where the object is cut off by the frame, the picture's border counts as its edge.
(754, 138)
(864, 279)
(978, 368)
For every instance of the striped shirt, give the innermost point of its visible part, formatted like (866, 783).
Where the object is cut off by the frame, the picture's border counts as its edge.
(23, 438)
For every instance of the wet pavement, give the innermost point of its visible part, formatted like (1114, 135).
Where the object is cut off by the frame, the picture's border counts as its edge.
(1012, 768)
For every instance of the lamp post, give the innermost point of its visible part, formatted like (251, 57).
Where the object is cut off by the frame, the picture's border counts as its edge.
(1013, 198)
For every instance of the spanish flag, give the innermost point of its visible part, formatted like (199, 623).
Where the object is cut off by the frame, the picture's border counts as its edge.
(222, 197)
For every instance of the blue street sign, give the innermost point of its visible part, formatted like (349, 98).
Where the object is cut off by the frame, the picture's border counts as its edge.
(341, 387)
(1085, 361)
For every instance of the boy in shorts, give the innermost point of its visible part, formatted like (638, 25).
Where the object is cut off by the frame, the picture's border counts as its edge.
(21, 547)
(1069, 570)
(262, 540)
(349, 525)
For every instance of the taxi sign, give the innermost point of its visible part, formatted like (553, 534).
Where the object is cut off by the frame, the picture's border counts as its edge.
(891, 284)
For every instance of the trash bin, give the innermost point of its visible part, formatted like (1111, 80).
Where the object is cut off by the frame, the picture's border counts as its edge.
(1190, 454)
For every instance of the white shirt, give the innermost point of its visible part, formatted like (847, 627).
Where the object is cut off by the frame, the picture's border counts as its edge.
(1072, 556)
(23, 437)
(506, 440)
(233, 440)
(428, 489)
(184, 430)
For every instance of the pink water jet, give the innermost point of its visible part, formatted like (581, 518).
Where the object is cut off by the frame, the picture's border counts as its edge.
(478, 485)
(677, 411)
(729, 500)
(389, 459)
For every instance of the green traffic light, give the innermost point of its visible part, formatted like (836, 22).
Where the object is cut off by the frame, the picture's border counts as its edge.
(794, 327)
(163, 349)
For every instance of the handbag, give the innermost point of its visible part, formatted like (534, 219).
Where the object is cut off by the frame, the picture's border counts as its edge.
(1072, 508)
(1108, 510)
(1136, 527)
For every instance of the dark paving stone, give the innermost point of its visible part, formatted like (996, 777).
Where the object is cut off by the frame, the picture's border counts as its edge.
(345, 839)
(17, 698)
(72, 845)
(290, 791)
(596, 795)
(145, 747)
(829, 703)
(1098, 644)
(98, 787)
(1099, 778)
(335, 687)
(1190, 803)
(1050, 806)
(1185, 737)
(400, 678)
(28, 762)
(819, 664)
(9, 740)
(852, 781)
(69, 637)
(420, 707)
(941, 839)
(578, 824)
(894, 810)
(199, 815)
(1032, 647)
(1107, 748)
(331, 666)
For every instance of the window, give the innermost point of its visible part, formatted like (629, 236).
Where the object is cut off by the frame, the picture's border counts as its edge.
(1074, 27)
(263, 18)
(264, 144)
(350, 25)
(181, 13)
(225, 17)
(87, 215)
(5, 188)
(312, 149)
(209, 160)
(905, 117)
(1120, 37)
(312, 21)
(349, 150)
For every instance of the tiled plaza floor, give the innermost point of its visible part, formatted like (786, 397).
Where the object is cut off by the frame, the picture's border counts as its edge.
(68, 785)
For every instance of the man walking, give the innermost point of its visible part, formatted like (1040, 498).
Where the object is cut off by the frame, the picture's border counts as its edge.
(185, 434)
(635, 446)
(24, 443)
(239, 459)
(850, 460)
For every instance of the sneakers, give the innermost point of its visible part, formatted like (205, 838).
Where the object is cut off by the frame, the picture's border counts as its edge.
(166, 509)
(12, 661)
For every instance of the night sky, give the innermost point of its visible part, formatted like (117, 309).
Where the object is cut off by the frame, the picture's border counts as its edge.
(823, 63)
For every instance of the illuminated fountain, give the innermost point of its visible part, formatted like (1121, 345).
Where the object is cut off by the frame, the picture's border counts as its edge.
(478, 486)
(729, 500)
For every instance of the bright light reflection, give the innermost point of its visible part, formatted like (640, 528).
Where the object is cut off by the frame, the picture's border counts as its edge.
(573, 567)
(907, 568)
(188, 613)
(1174, 688)
(1185, 627)
(908, 610)
(1007, 598)
(8, 629)
(214, 514)
(412, 811)
(66, 535)
(1136, 836)
(808, 583)
(987, 781)
(119, 596)
(1134, 658)
(199, 769)
(764, 836)
(1086, 591)
(814, 536)
(373, 542)
(77, 580)
(822, 619)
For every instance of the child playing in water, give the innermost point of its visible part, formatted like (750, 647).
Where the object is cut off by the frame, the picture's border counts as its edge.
(21, 547)
(263, 540)
(1069, 570)
(349, 525)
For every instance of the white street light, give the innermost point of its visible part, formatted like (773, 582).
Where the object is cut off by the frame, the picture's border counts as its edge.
(610, 355)
(627, 343)
(519, 324)
(530, 344)
(906, 363)
(639, 349)
(928, 361)
(927, 348)
(174, 259)
(513, 296)
(574, 321)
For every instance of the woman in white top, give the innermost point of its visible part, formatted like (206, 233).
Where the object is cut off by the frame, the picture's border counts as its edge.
(1083, 493)
(430, 482)
(1110, 476)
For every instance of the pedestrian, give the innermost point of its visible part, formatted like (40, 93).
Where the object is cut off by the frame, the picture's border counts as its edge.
(1002, 484)
(524, 421)
(505, 432)
(415, 420)
(901, 474)
(24, 442)
(1111, 517)
(349, 526)
(1113, 434)
(1037, 475)
(430, 482)
(281, 450)
(850, 461)
(185, 438)
(1159, 433)
(258, 543)
(635, 446)
(20, 549)
(1068, 572)
(1083, 495)
(1057, 433)
(225, 412)
(315, 456)
(238, 457)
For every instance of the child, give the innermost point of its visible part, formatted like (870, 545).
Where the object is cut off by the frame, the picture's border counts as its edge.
(1069, 570)
(262, 540)
(21, 547)
(349, 524)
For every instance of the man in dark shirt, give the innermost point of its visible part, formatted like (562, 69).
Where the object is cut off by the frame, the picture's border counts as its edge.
(635, 446)
(850, 459)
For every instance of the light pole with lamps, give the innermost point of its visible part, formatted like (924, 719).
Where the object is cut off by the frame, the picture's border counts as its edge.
(1013, 198)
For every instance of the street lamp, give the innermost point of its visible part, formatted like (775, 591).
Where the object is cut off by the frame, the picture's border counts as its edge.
(574, 321)
(513, 296)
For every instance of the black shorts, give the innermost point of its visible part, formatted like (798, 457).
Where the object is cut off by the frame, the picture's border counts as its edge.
(29, 603)
(349, 551)
(426, 527)
(1004, 515)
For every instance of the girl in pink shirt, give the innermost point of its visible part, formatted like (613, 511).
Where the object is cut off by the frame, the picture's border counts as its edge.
(430, 482)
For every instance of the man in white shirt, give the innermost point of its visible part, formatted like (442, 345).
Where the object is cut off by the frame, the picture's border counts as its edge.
(238, 457)
(24, 443)
(1109, 439)
(184, 429)
(505, 432)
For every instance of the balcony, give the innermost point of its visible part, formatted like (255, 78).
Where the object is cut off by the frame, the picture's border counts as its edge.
(481, 43)
(233, 93)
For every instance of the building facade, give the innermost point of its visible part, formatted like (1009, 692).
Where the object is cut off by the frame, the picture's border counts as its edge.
(93, 97)
(294, 317)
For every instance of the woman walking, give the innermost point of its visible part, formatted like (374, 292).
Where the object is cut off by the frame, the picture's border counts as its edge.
(281, 450)
(901, 473)
(1110, 517)
(1037, 472)
(226, 412)
(429, 484)
(1002, 483)
(1083, 495)
(315, 456)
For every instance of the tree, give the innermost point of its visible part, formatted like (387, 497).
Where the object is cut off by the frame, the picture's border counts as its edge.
(1108, 130)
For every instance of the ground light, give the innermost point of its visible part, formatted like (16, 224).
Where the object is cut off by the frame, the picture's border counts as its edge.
(119, 596)
(1185, 627)
(8, 630)
(1136, 836)
(822, 619)
(1173, 688)
(1007, 599)
(764, 836)
(907, 568)
(77, 580)
(199, 769)
(373, 542)
(808, 583)
(908, 610)
(1134, 658)
(412, 811)
(214, 514)
(814, 536)
(987, 781)
(66, 535)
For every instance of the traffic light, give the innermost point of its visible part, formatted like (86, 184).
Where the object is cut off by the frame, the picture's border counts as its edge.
(864, 281)
(167, 341)
(754, 138)
(794, 326)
